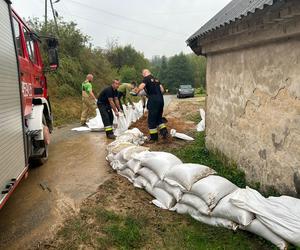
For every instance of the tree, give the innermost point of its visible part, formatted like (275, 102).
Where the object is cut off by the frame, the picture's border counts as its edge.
(199, 67)
(180, 71)
(128, 74)
(163, 72)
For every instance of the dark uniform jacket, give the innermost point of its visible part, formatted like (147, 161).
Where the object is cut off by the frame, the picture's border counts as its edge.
(108, 92)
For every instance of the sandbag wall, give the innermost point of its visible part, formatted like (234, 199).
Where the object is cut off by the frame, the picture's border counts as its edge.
(197, 190)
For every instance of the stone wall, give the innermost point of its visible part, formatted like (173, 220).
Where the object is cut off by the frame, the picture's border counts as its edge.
(253, 111)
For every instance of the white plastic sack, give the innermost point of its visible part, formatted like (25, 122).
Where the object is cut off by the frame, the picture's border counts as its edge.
(280, 214)
(149, 175)
(158, 162)
(116, 146)
(134, 165)
(225, 209)
(128, 174)
(217, 222)
(117, 165)
(213, 188)
(195, 202)
(173, 190)
(259, 229)
(126, 154)
(96, 124)
(110, 157)
(121, 125)
(181, 136)
(185, 175)
(182, 208)
(81, 129)
(140, 182)
(163, 199)
(201, 124)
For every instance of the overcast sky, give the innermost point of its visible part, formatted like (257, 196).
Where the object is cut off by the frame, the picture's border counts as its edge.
(156, 27)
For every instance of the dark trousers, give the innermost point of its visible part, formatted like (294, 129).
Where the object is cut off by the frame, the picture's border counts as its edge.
(107, 116)
(155, 112)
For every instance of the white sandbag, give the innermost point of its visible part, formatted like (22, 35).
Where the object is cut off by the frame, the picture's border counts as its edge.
(217, 222)
(280, 214)
(149, 175)
(134, 165)
(96, 124)
(181, 136)
(185, 175)
(158, 162)
(213, 188)
(116, 146)
(225, 209)
(81, 129)
(121, 124)
(140, 182)
(195, 202)
(126, 154)
(110, 157)
(201, 124)
(163, 199)
(135, 131)
(176, 192)
(117, 165)
(261, 230)
(128, 174)
(182, 208)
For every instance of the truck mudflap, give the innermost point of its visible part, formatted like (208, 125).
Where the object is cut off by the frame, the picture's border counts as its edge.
(13, 162)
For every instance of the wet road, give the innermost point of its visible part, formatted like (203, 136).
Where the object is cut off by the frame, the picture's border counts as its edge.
(76, 167)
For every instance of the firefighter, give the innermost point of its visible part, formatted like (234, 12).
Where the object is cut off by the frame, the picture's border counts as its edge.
(108, 103)
(124, 94)
(155, 105)
(88, 99)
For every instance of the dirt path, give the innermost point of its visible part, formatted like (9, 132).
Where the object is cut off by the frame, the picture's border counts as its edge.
(75, 169)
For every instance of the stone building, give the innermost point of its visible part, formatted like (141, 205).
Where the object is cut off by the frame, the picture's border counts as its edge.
(253, 88)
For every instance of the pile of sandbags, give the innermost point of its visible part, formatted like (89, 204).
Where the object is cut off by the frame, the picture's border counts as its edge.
(196, 190)
(123, 122)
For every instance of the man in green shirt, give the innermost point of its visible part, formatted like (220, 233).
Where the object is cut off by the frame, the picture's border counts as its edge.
(124, 93)
(88, 99)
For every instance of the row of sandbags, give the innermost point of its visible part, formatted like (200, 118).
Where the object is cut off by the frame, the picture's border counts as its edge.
(197, 190)
(131, 114)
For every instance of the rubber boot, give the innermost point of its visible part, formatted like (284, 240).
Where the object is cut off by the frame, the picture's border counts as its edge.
(153, 138)
(110, 135)
(164, 133)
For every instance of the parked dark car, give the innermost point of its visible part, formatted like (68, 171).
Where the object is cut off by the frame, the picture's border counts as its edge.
(185, 91)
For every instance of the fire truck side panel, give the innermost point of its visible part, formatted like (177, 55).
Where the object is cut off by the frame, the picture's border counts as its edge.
(12, 150)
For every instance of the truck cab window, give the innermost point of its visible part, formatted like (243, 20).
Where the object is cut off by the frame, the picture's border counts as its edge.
(18, 38)
(30, 46)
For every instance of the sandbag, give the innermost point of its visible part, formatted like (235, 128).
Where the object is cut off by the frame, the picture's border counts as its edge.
(213, 188)
(126, 154)
(201, 124)
(116, 146)
(217, 222)
(110, 157)
(158, 162)
(195, 202)
(128, 174)
(181, 136)
(149, 175)
(182, 208)
(261, 230)
(225, 209)
(117, 165)
(134, 165)
(280, 214)
(185, 175)
(96, 123)
(163, 199)
(140, 182)
(121, 124)
(173, 190)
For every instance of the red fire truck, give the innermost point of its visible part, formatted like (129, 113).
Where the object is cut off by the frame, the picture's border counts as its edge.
(25, 112)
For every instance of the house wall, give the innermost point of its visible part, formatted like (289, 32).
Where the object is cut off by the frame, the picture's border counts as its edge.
(253, 110)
